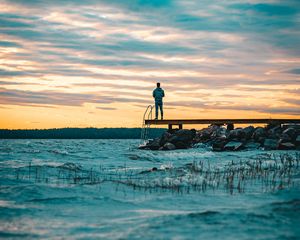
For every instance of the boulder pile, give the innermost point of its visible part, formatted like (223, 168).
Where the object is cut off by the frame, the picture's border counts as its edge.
(271, 137)
(179, 139)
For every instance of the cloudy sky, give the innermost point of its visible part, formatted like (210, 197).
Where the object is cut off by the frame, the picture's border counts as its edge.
(95, 63)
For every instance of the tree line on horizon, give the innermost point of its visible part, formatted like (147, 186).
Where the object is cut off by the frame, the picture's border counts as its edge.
(78, 133)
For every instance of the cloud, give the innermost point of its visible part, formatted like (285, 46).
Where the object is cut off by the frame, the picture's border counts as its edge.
(14, 24)
(268, 109)
(198, 50)
(106, 108)
(12, 73)
(17, 83)
(294, 101)
(294, 71)
(294, 91)
(24, 98)
(9, 44)
(267, 9)
(129, 4)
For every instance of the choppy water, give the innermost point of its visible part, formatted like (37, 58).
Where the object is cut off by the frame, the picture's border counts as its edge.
(105, 189)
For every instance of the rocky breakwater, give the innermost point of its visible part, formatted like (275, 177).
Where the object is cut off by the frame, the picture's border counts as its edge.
(176, 139)
(271, 137)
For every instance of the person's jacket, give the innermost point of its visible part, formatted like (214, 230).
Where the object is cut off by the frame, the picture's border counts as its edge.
(158, 94)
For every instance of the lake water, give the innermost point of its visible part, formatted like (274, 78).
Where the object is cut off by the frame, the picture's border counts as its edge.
(108, 189)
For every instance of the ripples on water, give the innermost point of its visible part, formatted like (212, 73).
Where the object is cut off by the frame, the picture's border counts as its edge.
(110, 189)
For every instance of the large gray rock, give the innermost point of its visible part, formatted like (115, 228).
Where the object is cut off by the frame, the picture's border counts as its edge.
(290, 132)
(270, 144)
(274, 132)
(248, 131)
(259, 133)
(205, 133)
(237, 133)
(219, 133)
(202, 136)
(285, 138)
(182, 145)
(169, 146)
(182, 138)
(165, 138)
(218, 144)
(298, 140)
(230, 126)
(233, 146)
(154, 144)
(186, 135)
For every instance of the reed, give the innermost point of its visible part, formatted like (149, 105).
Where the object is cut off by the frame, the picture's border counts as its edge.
(268, 172)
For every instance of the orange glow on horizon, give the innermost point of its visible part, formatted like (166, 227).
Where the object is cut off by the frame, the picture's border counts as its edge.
(96, 66)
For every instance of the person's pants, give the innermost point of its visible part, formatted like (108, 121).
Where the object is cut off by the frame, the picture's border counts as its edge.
(160, 105)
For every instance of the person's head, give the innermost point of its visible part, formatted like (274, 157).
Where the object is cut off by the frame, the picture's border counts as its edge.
(158, 84)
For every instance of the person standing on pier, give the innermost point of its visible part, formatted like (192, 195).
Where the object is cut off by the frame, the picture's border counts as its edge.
(158, 94)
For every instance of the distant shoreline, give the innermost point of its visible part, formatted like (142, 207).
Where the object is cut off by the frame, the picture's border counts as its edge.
(78, 133)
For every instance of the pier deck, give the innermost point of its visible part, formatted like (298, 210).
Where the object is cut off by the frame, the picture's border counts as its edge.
(180, 122)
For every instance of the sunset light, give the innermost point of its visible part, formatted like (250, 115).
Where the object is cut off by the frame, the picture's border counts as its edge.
(96, 63)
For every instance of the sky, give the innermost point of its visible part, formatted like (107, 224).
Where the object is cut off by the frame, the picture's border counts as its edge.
(95, 63)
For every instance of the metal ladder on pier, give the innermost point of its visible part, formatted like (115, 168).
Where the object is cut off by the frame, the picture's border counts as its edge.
(145, 127)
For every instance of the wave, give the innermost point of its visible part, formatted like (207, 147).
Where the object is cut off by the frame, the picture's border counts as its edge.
(61, 152)
(203, 214)
(293, 202)
(5, 234)
(55, 199)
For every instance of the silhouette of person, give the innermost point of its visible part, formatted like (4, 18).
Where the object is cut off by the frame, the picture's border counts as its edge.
(158, 94)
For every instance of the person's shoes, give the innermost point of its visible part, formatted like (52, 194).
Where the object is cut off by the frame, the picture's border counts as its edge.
(162, 118)
(155, 118)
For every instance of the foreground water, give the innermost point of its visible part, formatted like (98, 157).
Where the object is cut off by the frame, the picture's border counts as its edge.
(109, 189)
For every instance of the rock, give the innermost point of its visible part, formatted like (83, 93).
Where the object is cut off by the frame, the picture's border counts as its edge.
(218, 144)
(259, 133)
(182, 138)
(275, 132)
(202, 135)
(286, 146)
(237, 133)
(219, 133)
(154, 144)
(273, 125)
(205, 133)
(230, 126)
(248, 131)
(186, 135)
(169, 146)
(271, 137)
(182, 145)
(211, 129)
(270, 144)
(173, 139)
(164, 138)
(298, 140)
(290, 132)
(261, 140)
(233, 146)
(285, 138)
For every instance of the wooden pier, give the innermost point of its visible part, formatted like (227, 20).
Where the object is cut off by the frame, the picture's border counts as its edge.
(180, 122)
